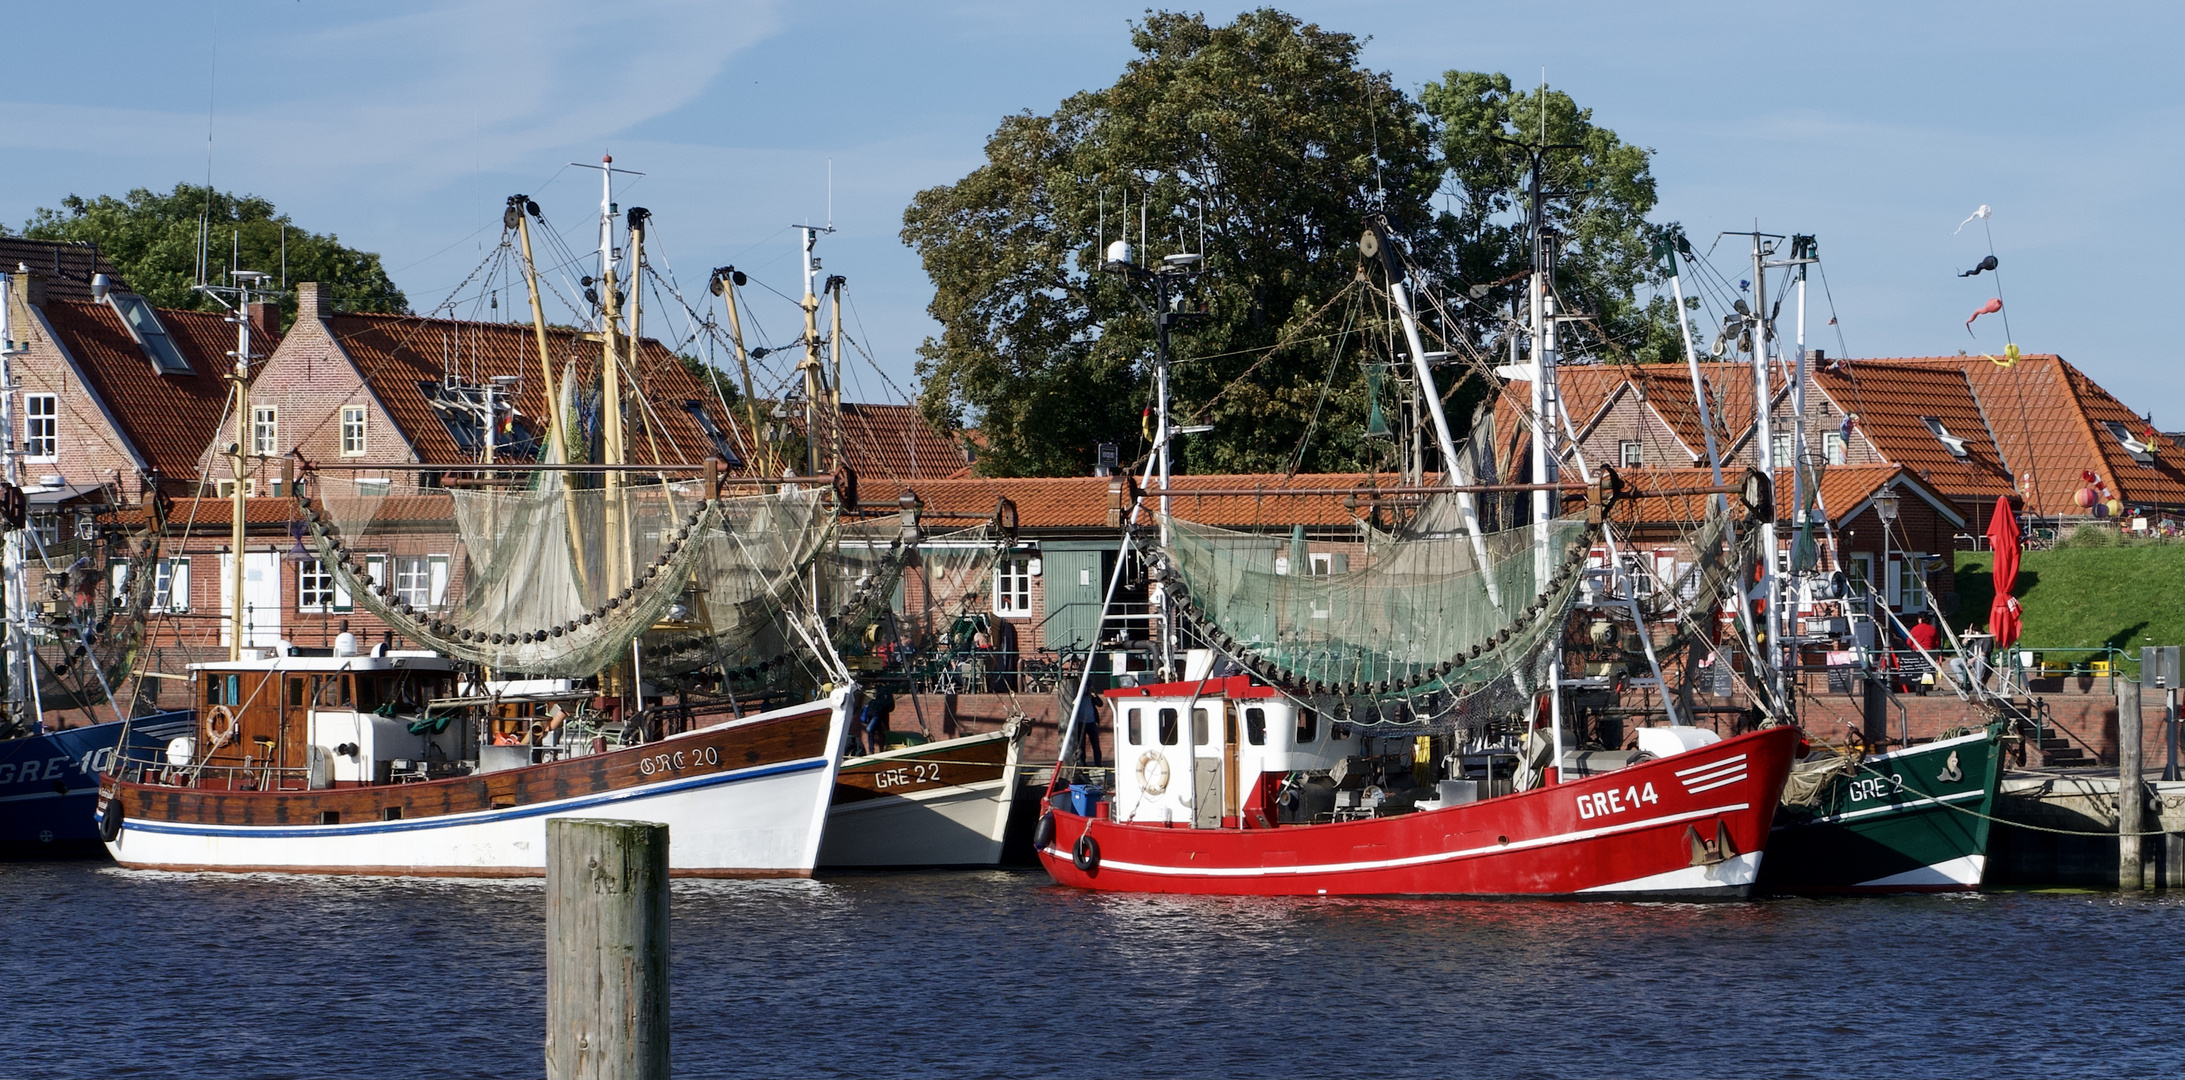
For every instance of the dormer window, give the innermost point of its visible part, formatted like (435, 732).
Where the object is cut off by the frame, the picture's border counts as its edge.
(1955, 445)
(2141, 452)
(714, 434)
(144, 326)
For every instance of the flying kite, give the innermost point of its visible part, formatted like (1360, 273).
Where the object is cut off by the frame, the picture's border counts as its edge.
(1982, 213)
(1988, 263)
(1989, 308)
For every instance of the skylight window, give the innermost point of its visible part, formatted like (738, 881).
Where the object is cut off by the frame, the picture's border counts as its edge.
(713, 432)
(2141, 452)
(143, 324)
(1955, 445)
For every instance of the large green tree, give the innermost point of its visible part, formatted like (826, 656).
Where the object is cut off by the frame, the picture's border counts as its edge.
(1598, 191)
(153, 239)
(1266, 135)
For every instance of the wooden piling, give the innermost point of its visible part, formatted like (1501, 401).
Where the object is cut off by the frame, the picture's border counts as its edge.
(606, 950)
(2131, 799)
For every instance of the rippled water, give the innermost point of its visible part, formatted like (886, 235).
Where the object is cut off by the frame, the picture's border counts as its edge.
(122, 973)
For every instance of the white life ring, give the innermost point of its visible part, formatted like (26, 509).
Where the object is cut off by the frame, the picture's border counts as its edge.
(222, 725)
(1153, 771)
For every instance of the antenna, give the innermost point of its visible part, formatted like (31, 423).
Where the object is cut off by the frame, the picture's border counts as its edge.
(830, 193)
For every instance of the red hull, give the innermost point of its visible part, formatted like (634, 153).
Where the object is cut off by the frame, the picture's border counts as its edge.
(1697, 829)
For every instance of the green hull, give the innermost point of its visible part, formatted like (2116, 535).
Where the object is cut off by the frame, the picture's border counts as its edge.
(1902, 822)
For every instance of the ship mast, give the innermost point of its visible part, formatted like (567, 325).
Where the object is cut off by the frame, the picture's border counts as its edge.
(18, 637)
(239, 452)
(808, 239)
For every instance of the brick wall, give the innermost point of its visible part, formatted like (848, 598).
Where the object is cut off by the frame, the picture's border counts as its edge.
(91, 451)
(308, 382)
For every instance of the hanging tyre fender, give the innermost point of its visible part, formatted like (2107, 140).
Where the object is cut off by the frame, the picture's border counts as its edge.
(1086, 855)
(1153, 771)
(110, 818)
(1043, 834)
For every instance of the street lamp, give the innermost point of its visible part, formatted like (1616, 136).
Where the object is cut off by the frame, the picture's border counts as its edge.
(1885, 508)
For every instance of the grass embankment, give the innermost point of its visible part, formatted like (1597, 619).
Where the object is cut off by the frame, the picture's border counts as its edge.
(2085, 596)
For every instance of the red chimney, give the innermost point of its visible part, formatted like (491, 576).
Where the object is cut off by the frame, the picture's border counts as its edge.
(265, 319)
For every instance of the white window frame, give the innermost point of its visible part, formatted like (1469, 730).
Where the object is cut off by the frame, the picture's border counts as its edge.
(226, 488)
(1013, 585)
(41, 427)
(1631, 454)
(265, 430)
(1911, 587)
(170, 577)
(420, 580)
(319, 590)
(47, 524)
(1783, 447)
(1837, 449)
(354, 433)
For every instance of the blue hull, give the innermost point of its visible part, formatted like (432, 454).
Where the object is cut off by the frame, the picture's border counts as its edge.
(49, 784)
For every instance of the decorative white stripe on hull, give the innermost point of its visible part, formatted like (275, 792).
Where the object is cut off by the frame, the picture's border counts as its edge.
(1737, 871)
(1962, 872)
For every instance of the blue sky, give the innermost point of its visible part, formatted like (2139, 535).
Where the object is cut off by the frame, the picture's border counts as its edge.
(1877, 126)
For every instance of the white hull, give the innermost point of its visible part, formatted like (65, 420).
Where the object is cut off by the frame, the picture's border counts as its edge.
(761, 821)
(959, 825)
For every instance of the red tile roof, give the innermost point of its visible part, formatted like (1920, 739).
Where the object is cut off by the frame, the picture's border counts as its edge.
(170, 419)
(1590, 390)
(397, 353)
(1844, 492)
(895, 442)
(2048, 417)
(1891, 399)
(66, 266)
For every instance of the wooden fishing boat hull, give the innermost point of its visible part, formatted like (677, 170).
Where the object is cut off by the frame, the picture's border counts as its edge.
(744, 798)
(937, 805)
(1911, 820)
(1691, 825)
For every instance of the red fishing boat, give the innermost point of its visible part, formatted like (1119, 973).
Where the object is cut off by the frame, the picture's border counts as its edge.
(1220, 787)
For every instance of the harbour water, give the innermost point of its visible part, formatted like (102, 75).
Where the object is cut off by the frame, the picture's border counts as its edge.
(120, 973)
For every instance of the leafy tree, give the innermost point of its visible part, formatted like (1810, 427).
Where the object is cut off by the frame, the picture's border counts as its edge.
(153, 240)
(1600, 190)
(1264, 133)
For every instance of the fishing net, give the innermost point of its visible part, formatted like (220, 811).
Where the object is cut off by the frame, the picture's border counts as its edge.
(557, 580)
(88, 618)
(1384, 613)
(885, 596)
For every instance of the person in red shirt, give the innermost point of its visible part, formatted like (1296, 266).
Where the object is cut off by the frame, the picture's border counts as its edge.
(1926, 635)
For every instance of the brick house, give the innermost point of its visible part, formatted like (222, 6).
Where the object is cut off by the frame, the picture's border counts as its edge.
(111, 390)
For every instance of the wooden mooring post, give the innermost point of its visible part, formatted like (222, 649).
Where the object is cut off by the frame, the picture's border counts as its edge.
(606, 950)
(2131, 796)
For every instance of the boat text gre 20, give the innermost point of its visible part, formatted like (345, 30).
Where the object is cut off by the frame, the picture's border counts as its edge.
(1595, 804)
(679, 760)
(1875, 787)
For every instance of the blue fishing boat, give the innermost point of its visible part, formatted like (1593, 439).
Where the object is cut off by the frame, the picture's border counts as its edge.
(49, 783)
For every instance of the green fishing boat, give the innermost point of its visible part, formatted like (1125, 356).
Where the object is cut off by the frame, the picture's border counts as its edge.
(1911, 820)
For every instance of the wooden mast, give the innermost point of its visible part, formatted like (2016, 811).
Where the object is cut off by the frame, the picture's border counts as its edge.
(518, 208)
(834, 396)
(761, 449)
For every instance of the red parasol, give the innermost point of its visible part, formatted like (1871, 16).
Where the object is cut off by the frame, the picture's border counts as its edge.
(2003, 537)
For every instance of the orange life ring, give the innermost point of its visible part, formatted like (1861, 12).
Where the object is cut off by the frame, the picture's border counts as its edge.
(222, 725)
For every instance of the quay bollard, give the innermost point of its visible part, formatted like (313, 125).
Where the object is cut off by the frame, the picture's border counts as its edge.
(2131, 799)
(606, 950)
